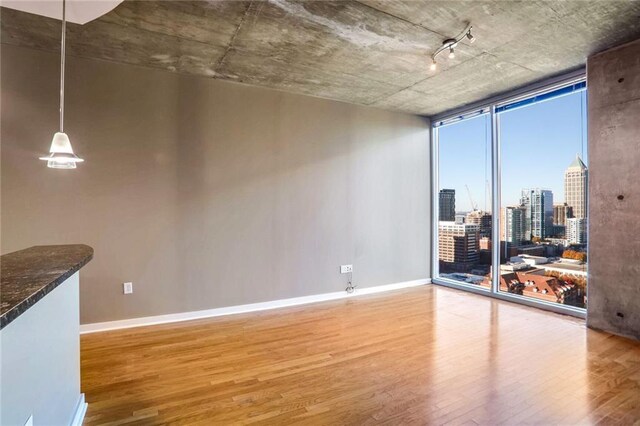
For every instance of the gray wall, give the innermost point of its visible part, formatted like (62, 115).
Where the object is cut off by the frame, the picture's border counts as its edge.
(208, 194)
(40, 361)
(614, 169)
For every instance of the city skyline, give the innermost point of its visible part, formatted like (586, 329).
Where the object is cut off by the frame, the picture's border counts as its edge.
(540, 216)
(544, 179)
(532, 156)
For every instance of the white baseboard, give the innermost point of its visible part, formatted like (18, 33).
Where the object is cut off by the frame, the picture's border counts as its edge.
(81, 410)
(239, 309)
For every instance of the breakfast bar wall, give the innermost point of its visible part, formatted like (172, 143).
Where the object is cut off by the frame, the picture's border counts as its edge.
(39, 335)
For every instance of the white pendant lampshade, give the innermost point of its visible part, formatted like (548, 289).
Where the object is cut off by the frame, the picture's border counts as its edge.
(61, 153)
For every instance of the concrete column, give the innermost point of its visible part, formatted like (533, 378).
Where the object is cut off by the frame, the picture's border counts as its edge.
(613, 80)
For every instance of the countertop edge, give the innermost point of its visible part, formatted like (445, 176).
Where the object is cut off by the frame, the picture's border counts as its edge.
(17, 310)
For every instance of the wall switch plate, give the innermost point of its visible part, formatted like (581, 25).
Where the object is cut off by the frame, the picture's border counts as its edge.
(127, 288)
(345, 269)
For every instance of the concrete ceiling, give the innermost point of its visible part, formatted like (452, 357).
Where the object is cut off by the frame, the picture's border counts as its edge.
(369, 52)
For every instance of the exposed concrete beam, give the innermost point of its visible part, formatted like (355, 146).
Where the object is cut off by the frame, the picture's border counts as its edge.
(220, 61)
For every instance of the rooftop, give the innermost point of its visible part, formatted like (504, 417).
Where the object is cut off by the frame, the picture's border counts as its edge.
(577, 164)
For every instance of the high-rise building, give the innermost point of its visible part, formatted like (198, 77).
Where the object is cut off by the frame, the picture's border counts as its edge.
(559, 231)
(482, 219)
(485, 243)
(458, 245)
(538, 205)
(512, 222)
(447, 205)
(562, 212)
(575, 187)
(577, 231)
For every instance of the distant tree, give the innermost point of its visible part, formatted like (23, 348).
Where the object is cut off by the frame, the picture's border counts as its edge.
(515, 287)
(576, 280)
(575, 255)
(566, 279)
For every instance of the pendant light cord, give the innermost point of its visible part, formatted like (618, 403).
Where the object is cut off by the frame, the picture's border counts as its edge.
(62, 55)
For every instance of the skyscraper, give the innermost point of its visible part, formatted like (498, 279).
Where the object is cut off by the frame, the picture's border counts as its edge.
(513, 225)
(577, 231)
(447, 205)
(538, 204)
(482, 219)
(562, 212)
(458, 246)
(575, 187)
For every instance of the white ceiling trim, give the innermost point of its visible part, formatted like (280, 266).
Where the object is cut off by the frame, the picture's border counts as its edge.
(78, 11)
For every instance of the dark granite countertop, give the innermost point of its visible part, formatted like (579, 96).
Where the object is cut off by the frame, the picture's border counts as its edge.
(29, 274)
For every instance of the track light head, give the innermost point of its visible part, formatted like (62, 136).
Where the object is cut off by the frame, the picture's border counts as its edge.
(470, 36)
(452, 54)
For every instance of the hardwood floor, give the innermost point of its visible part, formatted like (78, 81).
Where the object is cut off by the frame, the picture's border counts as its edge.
(427, 355)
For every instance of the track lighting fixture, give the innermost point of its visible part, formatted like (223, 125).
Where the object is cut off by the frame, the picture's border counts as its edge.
(450, 44)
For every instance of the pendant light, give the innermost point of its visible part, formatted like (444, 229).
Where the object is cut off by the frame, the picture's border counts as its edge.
(61, 154)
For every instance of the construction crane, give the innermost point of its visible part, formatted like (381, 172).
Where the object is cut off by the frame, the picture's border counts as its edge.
(474, 205)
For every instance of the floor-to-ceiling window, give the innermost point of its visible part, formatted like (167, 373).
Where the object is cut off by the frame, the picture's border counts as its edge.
(511, 196)
(464, 199)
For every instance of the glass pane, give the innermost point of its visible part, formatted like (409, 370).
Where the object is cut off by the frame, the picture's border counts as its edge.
(464, 226)
(543, 216)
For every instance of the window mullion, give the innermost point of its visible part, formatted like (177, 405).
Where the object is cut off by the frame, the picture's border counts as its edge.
(495, 199)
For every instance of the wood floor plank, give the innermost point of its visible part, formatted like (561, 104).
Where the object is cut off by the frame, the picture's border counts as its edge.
(427, 355)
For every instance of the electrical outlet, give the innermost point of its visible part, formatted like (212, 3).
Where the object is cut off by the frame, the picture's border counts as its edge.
(346, 269)
(127, 288)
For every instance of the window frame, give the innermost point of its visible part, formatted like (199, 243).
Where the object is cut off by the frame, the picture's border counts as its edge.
(491, 106)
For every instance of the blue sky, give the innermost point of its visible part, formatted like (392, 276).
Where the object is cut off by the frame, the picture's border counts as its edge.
(539, 142)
